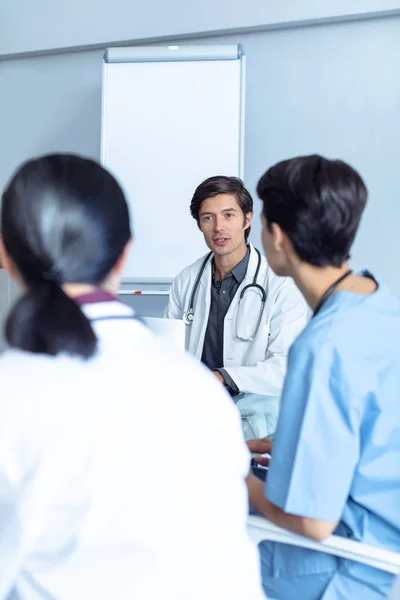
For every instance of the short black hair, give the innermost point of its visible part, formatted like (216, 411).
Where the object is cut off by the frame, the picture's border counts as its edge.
(318, 203)
(221, 184)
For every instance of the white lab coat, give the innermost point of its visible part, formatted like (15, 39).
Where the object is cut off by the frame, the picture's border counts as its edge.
(110, 478)
(258, 366)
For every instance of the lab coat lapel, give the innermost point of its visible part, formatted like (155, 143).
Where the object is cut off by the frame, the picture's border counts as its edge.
(201, 313)
(249, 277)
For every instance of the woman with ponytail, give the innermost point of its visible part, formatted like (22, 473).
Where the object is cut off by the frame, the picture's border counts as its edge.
(65, 230)
(99, 496)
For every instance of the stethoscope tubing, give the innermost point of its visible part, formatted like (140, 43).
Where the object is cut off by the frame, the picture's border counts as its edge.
(188, 315)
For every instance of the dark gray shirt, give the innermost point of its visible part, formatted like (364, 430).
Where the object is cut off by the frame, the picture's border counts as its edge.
(222, 294)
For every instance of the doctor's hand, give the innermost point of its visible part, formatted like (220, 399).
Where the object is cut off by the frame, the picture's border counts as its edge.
(219, 376)
(260, 446)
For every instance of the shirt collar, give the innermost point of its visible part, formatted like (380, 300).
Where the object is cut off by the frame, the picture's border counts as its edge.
(238, 272)
(99, 304)
(94, 298)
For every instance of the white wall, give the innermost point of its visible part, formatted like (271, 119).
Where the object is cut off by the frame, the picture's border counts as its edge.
(36, 25)
(51, 103)
(332, 89)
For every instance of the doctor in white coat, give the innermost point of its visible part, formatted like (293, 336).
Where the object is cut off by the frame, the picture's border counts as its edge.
(240, 317)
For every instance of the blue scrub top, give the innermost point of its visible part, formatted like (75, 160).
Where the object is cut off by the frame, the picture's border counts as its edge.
(337, 447)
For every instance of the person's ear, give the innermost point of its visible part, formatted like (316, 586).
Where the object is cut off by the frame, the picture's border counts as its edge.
(282, 244)
(278, 237)
(121, 262)
(6, 261)
(247, 220)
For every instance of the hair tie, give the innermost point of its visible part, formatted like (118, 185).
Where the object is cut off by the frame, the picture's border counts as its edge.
(53, 274)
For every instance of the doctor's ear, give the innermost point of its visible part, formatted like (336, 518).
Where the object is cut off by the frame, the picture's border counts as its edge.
(247, 220)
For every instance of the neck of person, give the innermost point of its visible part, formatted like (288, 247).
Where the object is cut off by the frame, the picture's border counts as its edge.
(73, 290)
(314, 281)
(226, 262)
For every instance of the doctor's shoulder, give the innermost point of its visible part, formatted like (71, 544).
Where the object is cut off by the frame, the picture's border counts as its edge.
(183, 282)
(190, 271)
(32, 379)
(284, 290)
(18, 365)
(275, 282)
(279, 283)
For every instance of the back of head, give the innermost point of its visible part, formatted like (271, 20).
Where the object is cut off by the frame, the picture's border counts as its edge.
(64, 219)
(318, 203)
(221, 184)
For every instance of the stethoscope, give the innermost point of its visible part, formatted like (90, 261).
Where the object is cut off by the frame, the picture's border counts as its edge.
(330, 291)
(188, 315)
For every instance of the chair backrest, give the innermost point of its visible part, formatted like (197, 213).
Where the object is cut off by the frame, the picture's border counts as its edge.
(261, 529)
(172, 330)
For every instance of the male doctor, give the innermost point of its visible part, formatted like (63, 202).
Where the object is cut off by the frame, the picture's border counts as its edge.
(240, 317)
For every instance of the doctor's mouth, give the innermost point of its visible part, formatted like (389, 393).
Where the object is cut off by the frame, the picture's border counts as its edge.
(221, 240)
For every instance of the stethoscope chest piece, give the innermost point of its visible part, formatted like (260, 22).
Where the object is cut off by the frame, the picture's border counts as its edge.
(188, 317)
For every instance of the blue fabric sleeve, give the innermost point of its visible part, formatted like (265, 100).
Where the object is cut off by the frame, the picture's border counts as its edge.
(316, 447)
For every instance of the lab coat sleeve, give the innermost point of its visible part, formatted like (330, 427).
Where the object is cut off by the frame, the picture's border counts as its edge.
(289, 317)
(317, 442)
(174, 309)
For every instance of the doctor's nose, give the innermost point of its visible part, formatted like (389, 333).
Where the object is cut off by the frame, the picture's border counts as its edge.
(218, 224)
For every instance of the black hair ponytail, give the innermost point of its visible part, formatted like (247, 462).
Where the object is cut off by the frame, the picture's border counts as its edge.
(47, 321)
(64, 220)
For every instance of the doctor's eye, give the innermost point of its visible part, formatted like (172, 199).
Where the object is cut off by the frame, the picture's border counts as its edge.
(230, 215)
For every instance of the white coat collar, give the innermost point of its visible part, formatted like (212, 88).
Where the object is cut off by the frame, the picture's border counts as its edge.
(203, 300)
(253, 262)
(107, 308)
(251, 268)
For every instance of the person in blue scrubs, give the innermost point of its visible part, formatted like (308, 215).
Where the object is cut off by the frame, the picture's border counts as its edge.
(335, 461)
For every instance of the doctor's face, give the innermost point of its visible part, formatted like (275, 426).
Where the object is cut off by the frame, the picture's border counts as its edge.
(222, 222)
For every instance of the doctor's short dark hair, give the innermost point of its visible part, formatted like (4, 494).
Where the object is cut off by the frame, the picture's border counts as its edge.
(221, 184)
(318, 203)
